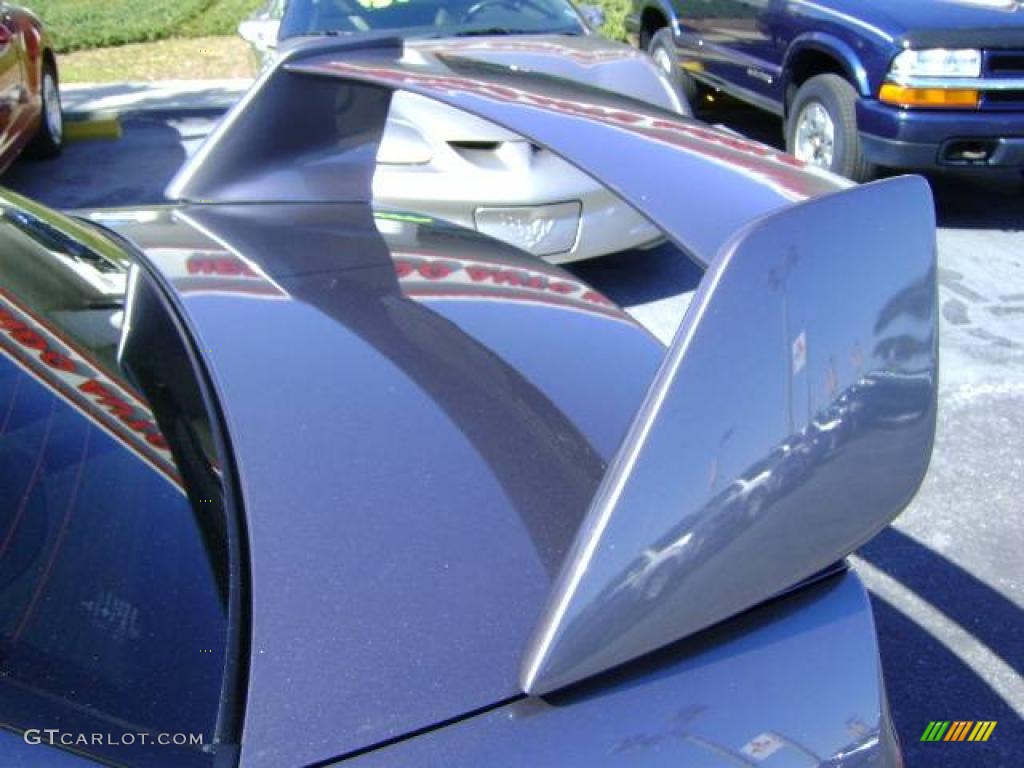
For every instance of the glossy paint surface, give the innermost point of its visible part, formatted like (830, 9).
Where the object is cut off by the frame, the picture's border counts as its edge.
(413, 491)
(902, 16)
(21, 80)
(803, 669)
(450, 165)
(792, 419)
(253, 158)
(792, 683)
(590, 59)
(420, 419)
(738, 42)
(441, 161)
(113, 583)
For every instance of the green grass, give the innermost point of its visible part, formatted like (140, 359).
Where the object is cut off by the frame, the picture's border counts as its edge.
(614, 17)
(193, 58)
(83, 24)
(220, 18)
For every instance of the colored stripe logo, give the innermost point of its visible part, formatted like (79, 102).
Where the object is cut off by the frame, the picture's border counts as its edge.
(958, 730)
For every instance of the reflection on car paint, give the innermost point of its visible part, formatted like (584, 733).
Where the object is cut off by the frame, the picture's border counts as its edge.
(421, 276)
(213, 271)
(65, 370)
(113, 616)
(766, 424)
(714, 146)
(518, 419)
(423, 273)
(685, 705)
(590, 58)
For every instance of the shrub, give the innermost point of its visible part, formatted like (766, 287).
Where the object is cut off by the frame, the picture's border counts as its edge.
(78, 24)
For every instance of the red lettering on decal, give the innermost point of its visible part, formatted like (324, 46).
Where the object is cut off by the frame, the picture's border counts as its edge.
(596, 298)
(198, 266)
(29, 338)
(94, 387)
(117, 406)
(479, 274)
(9, 322)
(122, 410)
(435, 270)
(628, 117)
(505, 94)
(59, 361)
(136, 419)
(508, 277)
(536, 282)
(219, 265)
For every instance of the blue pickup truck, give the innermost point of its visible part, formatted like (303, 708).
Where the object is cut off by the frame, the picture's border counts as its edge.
(858, 83)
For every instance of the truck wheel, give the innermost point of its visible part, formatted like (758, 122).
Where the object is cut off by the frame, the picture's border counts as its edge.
(822, 128)
(662, 49)
(49, 140)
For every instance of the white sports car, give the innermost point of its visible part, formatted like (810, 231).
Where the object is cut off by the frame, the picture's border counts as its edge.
(438, 161)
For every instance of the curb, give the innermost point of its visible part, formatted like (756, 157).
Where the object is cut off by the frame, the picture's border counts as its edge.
(107, 124)
(99, 110)
(158, 113)
(86, 126)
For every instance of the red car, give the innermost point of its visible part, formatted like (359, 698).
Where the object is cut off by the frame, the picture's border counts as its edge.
(30, 113)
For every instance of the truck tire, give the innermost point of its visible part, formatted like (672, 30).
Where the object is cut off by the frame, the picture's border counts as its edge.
(821, 128)
(662, 49)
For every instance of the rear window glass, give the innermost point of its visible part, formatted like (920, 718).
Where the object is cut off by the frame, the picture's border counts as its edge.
(113, 555)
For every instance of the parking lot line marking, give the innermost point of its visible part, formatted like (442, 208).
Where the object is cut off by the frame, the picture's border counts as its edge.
(982, 660)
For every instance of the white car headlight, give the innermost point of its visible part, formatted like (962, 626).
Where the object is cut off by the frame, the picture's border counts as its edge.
(402, 144)
(937, 62)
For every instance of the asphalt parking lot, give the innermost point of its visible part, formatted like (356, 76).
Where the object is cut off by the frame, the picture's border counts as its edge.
(947, 578)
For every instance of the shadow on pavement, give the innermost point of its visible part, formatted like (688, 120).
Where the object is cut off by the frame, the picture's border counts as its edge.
(132, 170)
(164, 96)
(963, 199)
(979, 200)
(925, 680)
(993, 619)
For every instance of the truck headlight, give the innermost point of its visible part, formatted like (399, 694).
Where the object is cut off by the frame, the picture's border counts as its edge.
(928, 78)
(936, 62)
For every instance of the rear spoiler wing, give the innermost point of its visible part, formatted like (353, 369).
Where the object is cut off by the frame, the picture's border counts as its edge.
(794, 414)
(308, 131)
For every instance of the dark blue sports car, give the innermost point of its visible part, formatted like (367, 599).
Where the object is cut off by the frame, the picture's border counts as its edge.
(287, 479)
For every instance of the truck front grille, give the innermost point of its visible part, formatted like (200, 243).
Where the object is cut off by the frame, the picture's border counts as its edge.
(1006, 63)
(1003, 64)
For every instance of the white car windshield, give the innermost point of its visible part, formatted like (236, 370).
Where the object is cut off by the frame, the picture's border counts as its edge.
(433, 18)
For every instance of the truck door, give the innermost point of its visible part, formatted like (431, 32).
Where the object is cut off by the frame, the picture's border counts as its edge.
(739, 46)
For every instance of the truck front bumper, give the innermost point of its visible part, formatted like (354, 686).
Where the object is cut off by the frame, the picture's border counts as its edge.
(905, 138)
